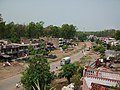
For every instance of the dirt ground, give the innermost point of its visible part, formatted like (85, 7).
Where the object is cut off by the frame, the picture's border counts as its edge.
(70, 51)
(8, 71)
(18, 67)
(89, 58)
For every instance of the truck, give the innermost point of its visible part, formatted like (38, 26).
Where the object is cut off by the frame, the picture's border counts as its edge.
(65, 60)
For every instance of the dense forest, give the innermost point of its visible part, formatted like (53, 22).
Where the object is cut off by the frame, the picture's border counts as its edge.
(14, 31)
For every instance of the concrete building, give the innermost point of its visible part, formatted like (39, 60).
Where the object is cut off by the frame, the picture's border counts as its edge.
(15, 50)
(102, 78)
(112, 53)
(54, 41)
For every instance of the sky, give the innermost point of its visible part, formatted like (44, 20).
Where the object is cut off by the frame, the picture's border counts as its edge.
(87, 15)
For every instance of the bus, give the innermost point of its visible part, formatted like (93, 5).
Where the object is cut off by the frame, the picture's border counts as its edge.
(65, 60)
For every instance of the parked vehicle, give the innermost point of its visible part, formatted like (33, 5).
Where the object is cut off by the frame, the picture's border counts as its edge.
(65, 60)
(87, 49)
(52, 56)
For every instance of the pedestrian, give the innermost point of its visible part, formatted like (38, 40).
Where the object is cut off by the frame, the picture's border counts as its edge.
(3, 64)
(17, 85)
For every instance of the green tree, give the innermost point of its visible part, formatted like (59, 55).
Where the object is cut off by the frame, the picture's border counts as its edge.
(101, 49)
(56, 32)
(1, 19)
(77, 76)
(64, 47)
(31, 50)
(39, 29)
(68, 71)
(82, 36)
(79, 68)
(99, 41)
(2, 28)
(118, 48)
(92, 39)
(77, 82)
(38, 71)
(108, 46)
(31, 30)
(68, 31)
(12, 32)
(43, 50)
(117, 35)
(20, 30)
(52, 31)
(48, 31)
(104, 33)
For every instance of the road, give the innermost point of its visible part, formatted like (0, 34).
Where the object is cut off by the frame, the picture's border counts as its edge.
(74, 57)
(9, 83)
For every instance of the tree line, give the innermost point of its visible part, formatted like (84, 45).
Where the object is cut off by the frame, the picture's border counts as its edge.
(14, 31)
(104, 33)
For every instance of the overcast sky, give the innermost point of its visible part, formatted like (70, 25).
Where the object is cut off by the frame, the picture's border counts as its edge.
(85, 14)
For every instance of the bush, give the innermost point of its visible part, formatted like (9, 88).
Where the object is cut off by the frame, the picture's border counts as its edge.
(100, 49)
(94, 46)
(64, 47)
(60, 75)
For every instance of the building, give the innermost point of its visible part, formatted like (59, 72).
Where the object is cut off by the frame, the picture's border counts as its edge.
(112, 53)
(99, 79)
(69, 87)
(15, 50)
(54, 41)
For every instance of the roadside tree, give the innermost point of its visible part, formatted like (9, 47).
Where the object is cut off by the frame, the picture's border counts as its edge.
(38, 71)
(68, 71)
(32, 50)
(77, 76)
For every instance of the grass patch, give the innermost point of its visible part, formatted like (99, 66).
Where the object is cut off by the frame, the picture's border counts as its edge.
(59, 83)
(85, 60)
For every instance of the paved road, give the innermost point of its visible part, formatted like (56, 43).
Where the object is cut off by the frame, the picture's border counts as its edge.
(74, 57)
(9, 83)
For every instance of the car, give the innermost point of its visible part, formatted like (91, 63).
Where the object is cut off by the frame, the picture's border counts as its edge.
(87, 49)
(52, 56)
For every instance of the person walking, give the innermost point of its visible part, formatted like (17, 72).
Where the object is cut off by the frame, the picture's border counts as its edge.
(17, 85)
